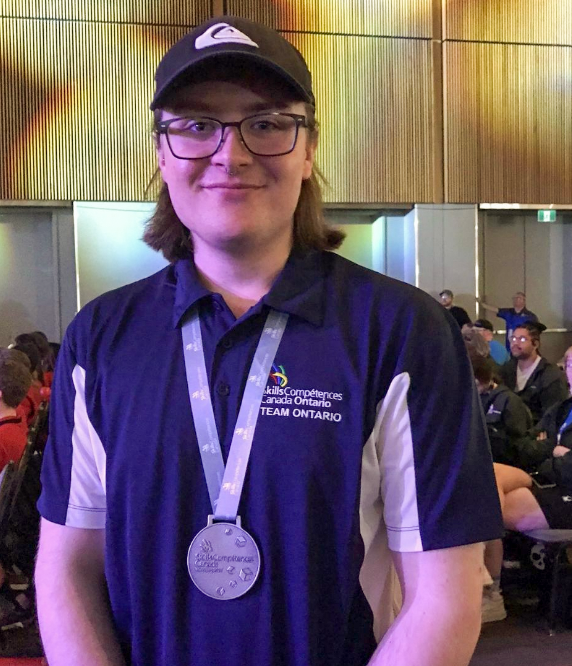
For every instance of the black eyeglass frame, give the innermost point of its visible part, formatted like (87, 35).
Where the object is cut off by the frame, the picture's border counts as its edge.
(301, 121)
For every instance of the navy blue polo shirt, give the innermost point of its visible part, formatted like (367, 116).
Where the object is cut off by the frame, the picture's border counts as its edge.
(370, 437)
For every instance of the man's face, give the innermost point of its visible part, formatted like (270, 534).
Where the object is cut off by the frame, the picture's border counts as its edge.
(235, 199)
(521, 344)
(518, 301)
(446, 300)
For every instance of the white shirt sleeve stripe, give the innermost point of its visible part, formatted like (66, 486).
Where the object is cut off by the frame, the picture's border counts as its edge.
(87, 505)
(388, 503)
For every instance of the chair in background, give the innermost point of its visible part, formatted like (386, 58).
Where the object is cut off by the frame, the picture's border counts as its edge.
(556, 543)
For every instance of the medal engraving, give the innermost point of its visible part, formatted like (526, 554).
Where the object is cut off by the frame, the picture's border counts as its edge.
(223, 561)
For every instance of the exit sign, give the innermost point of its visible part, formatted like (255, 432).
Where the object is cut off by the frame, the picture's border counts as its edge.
(547, 216)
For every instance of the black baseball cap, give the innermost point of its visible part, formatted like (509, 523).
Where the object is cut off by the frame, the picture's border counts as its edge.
(483, 323)
(239, 38)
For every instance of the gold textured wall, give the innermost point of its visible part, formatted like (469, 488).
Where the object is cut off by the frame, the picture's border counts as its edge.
(76, 123)
(405, 18)
(508, 101)
(523, 21)
(150, 12)
(374, 104)
(509, 123)
(77, 78)
(419, 100)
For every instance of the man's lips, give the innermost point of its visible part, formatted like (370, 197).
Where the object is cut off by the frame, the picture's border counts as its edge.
(231, 186)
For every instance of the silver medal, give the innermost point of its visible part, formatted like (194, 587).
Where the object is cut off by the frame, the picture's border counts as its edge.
(223, 560)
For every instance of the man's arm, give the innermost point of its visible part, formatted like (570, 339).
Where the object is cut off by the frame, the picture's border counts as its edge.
(73, 606)
(440, 620)
(486, 306)
(554, 393)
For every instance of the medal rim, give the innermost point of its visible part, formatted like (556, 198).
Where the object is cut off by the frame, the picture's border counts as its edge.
(255, 578)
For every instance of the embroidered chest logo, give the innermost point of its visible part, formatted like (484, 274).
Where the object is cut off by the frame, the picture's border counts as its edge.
(282, 399)
(278, 374)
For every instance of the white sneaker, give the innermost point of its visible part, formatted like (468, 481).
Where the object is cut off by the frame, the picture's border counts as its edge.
(492, 607)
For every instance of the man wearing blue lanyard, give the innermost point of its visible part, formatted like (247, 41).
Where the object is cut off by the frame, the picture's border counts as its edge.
(244, 445)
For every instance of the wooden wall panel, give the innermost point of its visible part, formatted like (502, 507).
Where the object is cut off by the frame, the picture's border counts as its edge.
(165, 12)
(374, 101)
(406, 18)
(77, 124)
(74, 104)
(508, 119)
(524, 21)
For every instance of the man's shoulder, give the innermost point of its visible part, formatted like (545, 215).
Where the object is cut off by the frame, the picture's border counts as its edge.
(114, 301)
(549, 369)
(352, 276)
(140, 300)
(530, 314)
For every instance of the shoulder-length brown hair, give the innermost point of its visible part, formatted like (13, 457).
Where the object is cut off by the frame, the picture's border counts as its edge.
(166, 233)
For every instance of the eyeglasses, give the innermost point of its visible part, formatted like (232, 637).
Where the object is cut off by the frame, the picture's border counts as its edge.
(266, 135)
(520, 338)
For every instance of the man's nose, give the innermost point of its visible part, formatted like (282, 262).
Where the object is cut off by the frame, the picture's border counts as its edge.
(232, 151)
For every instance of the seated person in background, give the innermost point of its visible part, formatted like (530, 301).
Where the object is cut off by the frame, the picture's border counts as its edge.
(45, 367)
(508, 419)
(459, 314)
(538, 382)
(41, 341)
(15, 380)
(475, 343)
(31, 402)
(525, 504)
(498, 352)
(514, 316)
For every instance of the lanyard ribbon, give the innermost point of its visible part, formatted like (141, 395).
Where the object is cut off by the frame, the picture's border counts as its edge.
(225, 484)
(566, 424)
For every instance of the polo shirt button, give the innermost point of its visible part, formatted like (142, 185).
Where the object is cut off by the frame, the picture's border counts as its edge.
(223, 389)
(227, 344)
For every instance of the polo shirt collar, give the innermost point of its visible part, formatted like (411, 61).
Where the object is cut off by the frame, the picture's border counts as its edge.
(189, 290)
(298, 290)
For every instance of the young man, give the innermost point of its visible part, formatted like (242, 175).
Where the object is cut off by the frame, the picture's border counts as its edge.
(508, 419)
(459, 314)
(538, 382)
(15, 380)
(253, 342)
(514, 316)
(498, 353)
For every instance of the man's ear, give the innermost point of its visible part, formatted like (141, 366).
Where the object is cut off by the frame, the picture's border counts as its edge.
(311, 147)
(160, 155)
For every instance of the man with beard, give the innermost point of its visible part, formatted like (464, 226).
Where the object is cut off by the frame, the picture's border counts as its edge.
(539, 383)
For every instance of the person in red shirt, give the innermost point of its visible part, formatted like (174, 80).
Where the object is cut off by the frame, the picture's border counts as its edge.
(29, 406)
(15, 381)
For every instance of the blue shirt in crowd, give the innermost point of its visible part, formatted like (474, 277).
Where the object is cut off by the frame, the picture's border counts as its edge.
(498, 352)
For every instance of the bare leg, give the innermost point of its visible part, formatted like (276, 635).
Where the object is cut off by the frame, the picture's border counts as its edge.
(493, 558)
(522, 512)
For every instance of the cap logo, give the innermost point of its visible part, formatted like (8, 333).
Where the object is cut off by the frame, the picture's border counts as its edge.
(222, 33)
